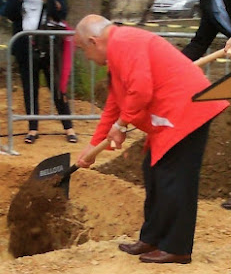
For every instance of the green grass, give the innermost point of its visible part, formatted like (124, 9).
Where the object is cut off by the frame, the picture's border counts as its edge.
(86, 74)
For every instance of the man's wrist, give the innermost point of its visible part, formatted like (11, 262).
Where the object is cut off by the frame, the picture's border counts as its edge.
(119, 127)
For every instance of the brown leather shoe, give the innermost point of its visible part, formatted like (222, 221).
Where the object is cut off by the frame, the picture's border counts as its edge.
(137, 248)
(158, 256)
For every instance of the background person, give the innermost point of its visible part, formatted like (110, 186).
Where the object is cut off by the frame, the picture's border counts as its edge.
(29, 15)
(215, 18)
(2, 7)
(151, 86)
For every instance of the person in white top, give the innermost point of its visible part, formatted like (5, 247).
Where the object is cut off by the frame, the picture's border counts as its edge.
(29, 15)
(32, 10)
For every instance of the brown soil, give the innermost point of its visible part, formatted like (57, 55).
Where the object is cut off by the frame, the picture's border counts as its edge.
(215, 173)
(41, 210)
(105, 206)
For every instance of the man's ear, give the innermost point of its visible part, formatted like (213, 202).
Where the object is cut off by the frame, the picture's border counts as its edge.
(92, 40)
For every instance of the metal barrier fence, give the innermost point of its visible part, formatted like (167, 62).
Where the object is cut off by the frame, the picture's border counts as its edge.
(17, 117)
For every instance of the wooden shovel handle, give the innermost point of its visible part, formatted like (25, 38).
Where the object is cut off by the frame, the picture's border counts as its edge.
(211, 57)
(96, 150)
(93, 153)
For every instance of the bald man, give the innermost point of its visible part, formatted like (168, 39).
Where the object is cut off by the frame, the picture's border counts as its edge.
(151, 86)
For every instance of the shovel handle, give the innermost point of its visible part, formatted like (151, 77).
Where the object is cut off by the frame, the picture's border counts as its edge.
(93, 153)
(211, 57)
(96, 150)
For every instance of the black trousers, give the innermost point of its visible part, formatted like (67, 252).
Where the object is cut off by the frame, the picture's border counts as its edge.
(171, 187)
(44, 65)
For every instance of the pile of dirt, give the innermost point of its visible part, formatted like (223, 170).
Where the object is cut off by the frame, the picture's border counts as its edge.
(41, 219)
(215, 172)
(101, 92)
(130, 170)
(106, 209)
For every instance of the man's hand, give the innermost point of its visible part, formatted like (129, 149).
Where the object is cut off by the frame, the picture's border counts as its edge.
(80, 159)
(117, 136)
(228, 48)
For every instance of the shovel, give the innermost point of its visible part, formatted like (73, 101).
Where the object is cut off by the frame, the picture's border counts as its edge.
(60, 165)
(210, 57)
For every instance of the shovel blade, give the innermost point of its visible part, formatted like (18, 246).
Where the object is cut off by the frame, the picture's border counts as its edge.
(52, 166)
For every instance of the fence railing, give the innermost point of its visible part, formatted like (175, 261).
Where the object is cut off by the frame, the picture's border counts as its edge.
(19, 117)
(92, 116)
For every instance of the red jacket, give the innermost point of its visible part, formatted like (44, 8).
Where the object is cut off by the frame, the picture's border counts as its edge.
(151, 87)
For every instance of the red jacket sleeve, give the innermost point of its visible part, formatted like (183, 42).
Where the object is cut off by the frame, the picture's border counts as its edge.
(109, 116)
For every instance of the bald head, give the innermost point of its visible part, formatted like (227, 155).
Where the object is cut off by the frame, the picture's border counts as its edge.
(91, 25)
(91, 36)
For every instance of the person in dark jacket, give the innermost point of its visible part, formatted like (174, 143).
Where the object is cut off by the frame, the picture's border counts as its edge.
(28, 15)
(2, 7)
(216, 18)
